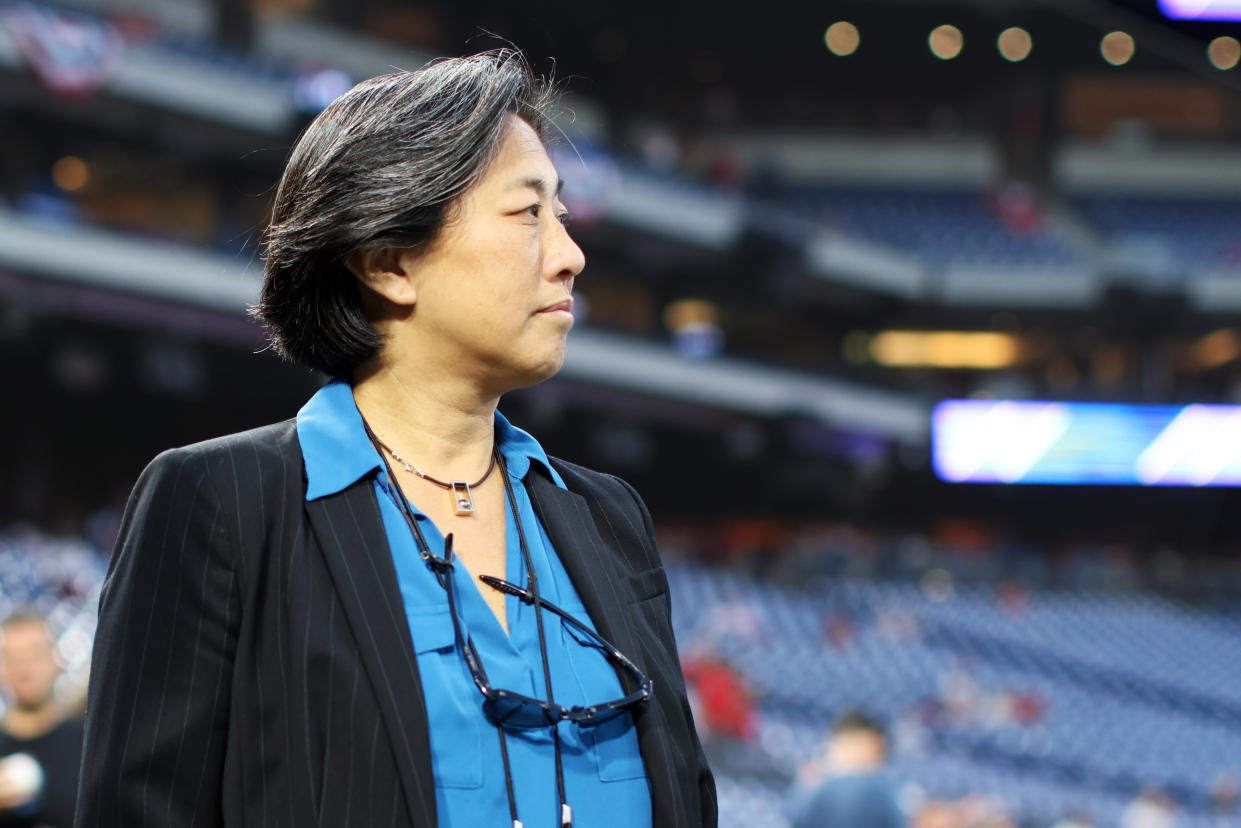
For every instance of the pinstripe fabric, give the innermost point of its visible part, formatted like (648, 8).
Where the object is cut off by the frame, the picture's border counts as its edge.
(604, 535)
(253, 665)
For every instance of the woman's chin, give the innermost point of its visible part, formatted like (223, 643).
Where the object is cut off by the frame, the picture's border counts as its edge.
(536, 372)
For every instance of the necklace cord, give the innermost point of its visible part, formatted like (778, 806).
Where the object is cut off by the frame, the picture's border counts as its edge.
(412, 468)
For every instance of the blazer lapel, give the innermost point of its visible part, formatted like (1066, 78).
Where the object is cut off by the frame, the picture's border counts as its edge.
(580, 547)
(350, 531)
(593, 566)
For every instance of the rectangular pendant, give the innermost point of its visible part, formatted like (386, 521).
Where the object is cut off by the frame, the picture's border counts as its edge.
(566, 815)
(462, 500)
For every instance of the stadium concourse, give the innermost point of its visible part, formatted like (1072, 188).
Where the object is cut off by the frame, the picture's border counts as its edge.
(805, 230)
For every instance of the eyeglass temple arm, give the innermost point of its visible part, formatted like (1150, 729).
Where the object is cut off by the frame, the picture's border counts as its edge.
(507, 587)
(527, 597)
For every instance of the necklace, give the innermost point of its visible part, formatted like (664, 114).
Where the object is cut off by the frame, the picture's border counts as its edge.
(458, 490)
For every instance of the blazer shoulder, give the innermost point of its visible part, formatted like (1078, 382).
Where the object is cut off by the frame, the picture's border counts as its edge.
(253, 480)
(586, 481)
(615, 498)
(276, 437)
(255, 458)
(275, 442)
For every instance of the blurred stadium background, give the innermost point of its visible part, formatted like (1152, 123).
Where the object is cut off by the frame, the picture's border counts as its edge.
(806, 225)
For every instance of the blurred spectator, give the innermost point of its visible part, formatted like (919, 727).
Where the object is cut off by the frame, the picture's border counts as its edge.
(1027, 708)
(843, 789)
(959, 693)
(838, 630)
(727, 708)
(41, 747)
(971, 811)
(1017, 207)
(936, 814)
(1151, 809)
(1226, 797)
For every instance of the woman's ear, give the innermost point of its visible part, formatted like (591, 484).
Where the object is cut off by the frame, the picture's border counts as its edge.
(386, 272)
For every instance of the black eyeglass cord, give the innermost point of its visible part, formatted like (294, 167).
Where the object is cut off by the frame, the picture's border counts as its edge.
(532, 584)
(508, 780)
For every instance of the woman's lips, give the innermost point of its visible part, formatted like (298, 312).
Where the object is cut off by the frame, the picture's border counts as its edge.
(565, 306)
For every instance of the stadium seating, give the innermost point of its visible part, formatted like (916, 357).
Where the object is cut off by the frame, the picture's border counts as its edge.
(1192, 234)
(1124, 690)
(942, 226)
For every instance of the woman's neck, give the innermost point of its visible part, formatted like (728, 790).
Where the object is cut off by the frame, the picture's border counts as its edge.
(445, 427)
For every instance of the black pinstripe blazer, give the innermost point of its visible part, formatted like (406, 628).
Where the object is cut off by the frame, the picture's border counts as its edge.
(253, 665)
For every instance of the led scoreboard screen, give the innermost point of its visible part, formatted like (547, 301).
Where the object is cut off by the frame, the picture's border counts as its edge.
(998, 441)
(1201, 9)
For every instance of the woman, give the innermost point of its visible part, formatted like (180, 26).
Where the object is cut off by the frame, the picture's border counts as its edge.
(396, 609)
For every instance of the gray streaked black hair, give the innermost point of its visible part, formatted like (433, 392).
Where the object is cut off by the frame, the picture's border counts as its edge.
(381, 167)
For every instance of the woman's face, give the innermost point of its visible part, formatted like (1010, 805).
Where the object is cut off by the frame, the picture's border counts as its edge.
(494, 289)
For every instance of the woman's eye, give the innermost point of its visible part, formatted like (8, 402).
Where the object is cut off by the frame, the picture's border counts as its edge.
(563, 216)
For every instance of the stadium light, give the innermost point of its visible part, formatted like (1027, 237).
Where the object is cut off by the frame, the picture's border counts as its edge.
(1015, 44)
(1224, 52)
(1213, 350)
(945, 349)
(842, 38)
(1117, 48)
(946, 41)
(70, 173)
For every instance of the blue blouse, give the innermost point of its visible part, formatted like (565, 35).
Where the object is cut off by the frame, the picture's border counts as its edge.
(605, 780)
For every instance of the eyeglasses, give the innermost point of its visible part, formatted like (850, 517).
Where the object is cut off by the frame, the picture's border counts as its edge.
(517, 710)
